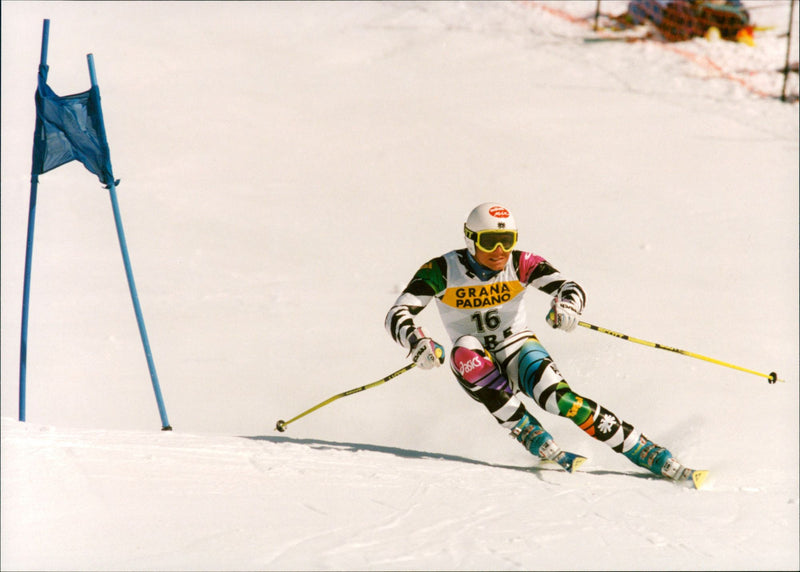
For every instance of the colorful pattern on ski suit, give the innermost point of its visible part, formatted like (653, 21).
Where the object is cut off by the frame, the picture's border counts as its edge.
(490, 308)
(494, 354)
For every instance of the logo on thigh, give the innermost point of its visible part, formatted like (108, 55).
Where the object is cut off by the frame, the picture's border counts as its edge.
(465, 367)
(471, 365)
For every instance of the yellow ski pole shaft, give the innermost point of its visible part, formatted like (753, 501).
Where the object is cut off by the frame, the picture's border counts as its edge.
(281, 424)
(771, 377)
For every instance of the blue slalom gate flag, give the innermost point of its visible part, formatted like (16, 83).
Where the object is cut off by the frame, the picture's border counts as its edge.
(69, 128)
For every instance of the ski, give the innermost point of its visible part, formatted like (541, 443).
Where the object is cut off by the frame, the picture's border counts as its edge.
(680, 474)
(696, 476)
(570, 462)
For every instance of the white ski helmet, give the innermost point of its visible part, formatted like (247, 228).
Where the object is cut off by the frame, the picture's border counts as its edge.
(489, 217)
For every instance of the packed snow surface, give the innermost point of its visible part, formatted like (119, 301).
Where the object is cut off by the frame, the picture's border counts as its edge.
(285, 169)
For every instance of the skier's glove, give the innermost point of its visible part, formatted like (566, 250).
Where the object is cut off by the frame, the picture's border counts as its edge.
(563, 314)
(425, 352)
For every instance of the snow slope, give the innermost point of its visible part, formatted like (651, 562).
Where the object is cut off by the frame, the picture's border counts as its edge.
(125, 500)
(285, 168)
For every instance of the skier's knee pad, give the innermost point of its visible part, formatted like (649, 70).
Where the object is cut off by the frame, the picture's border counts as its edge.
(474, 366)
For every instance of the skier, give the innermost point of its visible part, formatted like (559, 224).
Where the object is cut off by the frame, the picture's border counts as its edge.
(479, 292)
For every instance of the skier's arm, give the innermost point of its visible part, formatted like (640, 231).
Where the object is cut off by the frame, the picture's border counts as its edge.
(569, 299)
(428, 281)
(400, 318)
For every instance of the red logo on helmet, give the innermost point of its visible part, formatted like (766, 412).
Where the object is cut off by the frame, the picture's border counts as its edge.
(499, 212)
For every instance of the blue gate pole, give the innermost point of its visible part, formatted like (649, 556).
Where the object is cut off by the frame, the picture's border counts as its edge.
(26, 289)
(26, 299)
(165, 426)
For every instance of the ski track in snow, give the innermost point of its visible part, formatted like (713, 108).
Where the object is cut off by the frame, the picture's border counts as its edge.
(375, 507)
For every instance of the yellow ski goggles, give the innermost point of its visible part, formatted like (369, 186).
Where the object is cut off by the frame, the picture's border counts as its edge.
(489, 240)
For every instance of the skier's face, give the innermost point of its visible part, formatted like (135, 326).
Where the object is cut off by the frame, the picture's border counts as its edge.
(495, 260)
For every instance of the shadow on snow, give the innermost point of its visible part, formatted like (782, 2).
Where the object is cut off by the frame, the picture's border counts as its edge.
(414, 454)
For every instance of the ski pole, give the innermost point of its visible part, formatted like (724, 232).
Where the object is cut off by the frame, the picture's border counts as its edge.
(281, 424)
(771, 377)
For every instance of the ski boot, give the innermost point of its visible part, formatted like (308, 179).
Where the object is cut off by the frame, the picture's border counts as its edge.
(660, 462)
(540, 443)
